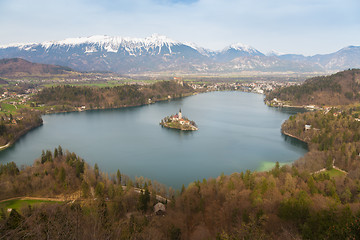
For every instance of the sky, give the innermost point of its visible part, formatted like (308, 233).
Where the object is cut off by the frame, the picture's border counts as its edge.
(306, 27)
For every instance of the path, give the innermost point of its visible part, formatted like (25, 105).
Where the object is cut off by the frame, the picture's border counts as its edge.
(333, 166)
(74, 197)
(158, 197)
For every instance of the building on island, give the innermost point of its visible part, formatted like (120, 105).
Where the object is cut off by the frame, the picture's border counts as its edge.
(178, 121)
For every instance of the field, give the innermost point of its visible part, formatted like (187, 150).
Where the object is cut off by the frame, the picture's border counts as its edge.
(334, 172)
(20, 203)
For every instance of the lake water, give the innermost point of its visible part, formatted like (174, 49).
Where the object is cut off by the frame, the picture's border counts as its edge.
(237, 131)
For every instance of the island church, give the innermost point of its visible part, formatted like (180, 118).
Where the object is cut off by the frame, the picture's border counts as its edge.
(178, 117)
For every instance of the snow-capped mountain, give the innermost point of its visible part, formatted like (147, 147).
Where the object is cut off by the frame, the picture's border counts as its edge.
(153, 45)
(235, 51)
(274, 53)
(159, 53)
(105, 53)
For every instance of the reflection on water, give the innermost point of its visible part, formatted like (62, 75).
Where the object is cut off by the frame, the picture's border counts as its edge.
(178, 132)
(295, 142)
(289, 110)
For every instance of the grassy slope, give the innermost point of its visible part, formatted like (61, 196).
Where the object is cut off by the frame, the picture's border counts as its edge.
(19, 203)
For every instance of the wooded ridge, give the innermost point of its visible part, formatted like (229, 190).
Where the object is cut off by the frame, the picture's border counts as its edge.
(338, 89)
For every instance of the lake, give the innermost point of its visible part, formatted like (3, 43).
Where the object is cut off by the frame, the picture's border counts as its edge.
(237, 131)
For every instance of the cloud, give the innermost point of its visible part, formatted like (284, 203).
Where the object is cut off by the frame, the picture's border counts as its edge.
(302, 25)
(171, 2)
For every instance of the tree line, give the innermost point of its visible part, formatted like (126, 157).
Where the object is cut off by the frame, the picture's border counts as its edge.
(110, 97)
(338, 89)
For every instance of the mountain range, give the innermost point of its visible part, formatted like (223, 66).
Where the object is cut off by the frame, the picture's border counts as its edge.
(161, 54)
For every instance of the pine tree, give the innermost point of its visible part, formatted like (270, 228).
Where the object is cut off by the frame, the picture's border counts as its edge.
(118, 176)
(182, 189)
(56, 153)
(43, 158)
(144, 199)
(96, 171)
(60, 151)
(62, 174)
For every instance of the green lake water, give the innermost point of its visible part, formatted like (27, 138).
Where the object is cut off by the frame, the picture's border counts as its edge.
(237, 131)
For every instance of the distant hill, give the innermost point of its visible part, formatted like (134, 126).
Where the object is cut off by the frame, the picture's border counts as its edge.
(2, 81)
(12, 67)
(337, 89)
(161, 54)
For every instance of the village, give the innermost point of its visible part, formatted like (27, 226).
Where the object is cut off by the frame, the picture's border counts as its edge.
(260, 87)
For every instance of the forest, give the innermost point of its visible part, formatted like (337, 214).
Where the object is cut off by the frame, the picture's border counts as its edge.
(284, 203)
(12, 127)
(333, 137)
(338, 89)
(67, 96)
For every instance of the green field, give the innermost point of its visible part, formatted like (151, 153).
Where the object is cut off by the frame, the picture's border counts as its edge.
(5, 107)
(334, 173)
(19, 203)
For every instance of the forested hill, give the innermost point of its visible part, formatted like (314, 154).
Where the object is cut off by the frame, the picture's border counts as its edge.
(110, 97)
(20, 67)
(284, 203)
(338, 89)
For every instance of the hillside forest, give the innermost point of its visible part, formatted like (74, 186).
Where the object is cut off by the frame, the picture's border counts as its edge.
(67, 96)
(341, 88)
(284, 203)
(333, 137)
(14, 126)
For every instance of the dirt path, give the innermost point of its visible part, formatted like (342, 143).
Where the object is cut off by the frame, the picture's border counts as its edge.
(74, 196)
(158, 197)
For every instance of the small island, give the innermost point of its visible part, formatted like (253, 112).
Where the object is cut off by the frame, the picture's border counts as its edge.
(177, 121)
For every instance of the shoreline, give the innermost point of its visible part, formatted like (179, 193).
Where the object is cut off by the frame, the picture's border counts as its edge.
(19, 135)
(120, 107)
(181, 129)
(294, 137)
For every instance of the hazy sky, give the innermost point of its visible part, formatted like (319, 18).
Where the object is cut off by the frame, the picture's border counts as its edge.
(288, 26)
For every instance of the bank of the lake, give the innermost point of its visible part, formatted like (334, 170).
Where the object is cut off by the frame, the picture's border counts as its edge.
(21, 131)
(238, 132)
